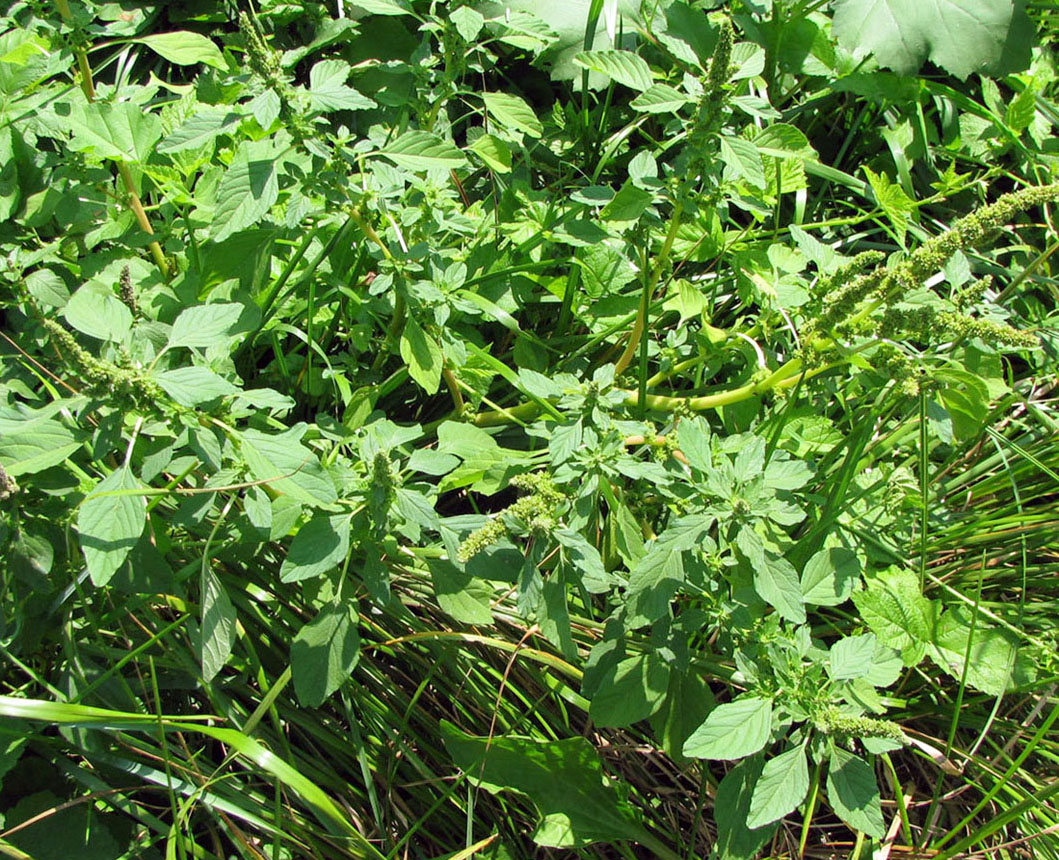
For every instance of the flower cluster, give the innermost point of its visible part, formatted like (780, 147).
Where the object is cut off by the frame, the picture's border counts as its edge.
(535, 511)
(832, 721)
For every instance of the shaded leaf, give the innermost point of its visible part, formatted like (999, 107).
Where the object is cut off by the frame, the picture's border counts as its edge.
(110, 523)
(324, 653)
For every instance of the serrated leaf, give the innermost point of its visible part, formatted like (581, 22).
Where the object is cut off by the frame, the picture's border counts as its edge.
(324, 653)
(854, 794)
(184, 48)
(893, 606)
(122, 131)
(630, 691)
(468, 21)
(248, 189)
(109, 523)
(193, 385)
(732, 730)
(659, 98)
(961, 36)
(851, 657)
(321, 545)
(893, 201)
(994, 663)
(625, 67)
(829, 576)
(513, 112)
(421, 150)
(493, 151)
(328, 90)
(205, 325)
(423, 356)
(206, 124)
(562, 778)
(287, 466)
(781, 787)
(776, 581)
(217, 626)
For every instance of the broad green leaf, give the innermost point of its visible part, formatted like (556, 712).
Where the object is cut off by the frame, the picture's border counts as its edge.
(829, 576)
(328, 90)
(895, 609)
(854, 794)
(628, 204)
(423, 356)
(630, 691)
(742, 161)
(995, 664)
(97, 311)
(420, 150)
(851, 657)
(492, 150)
(205, 325)
(652, 584)
(184, 48)
(625, 67)
(110, 523)
(41, 445)
(688, 701)
(732, 730)
(217, 626)
(961, 36)
(659, 98)
(192, 386)
(384, 7)
(122, 131)
(513, 112)
(562, 778)
(321, 545)
(47, 288)
(248, 189)
(287, 466)
(782, 786)
(583, 561)
(325, 652)
(205, 125)
(86, 834)
(776, 581)
(460, 595)
(736, 841)
(468, 21)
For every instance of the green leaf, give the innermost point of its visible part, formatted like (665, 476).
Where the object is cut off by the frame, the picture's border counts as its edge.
(421, 150)
(192, 386)
(829, 576)
(248, 189)
(961, 36)
(468, 21)
(563, 779)
(288, 467)
(205, 125)
(628, 204)
(995, 664)
(736, 841)
(897, 205)
(110, 523)
(423, 356)
(897, 612)
(41, 445)
(659, 98)
(625, 67)
(513, 112)
(854, 794)
(321, 545)
(383, 7)
(781, 787)
(47, 288)
(205, 325)
(122, 131)
(851, 657)
(492, 150)
(217, 627)
(328, 90)
(583, 561)
(325, 652)
(732, 730)
(630, 691)
(742, 161)
(775, 579)
(96, 311)
(460, 595)
(184, 48)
